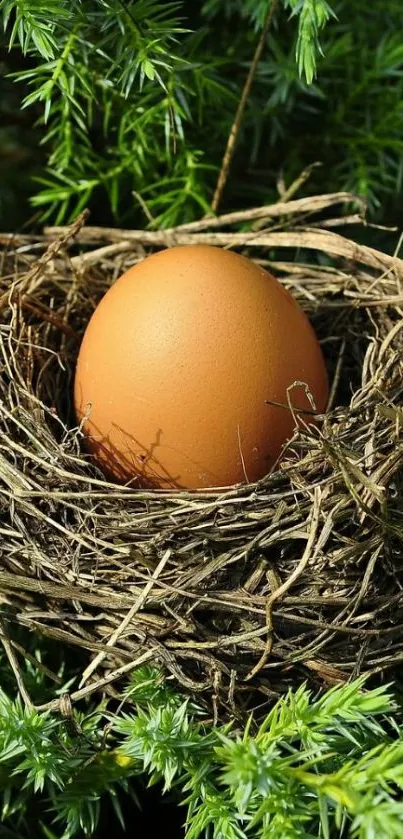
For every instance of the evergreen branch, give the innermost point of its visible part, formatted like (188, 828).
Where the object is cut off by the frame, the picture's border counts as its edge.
(34, 23)
(313, 764)
(313, 17)
(54, 78)
(147, 31)
(150, 128)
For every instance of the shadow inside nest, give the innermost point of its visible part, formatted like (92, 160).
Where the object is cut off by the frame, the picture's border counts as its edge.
(239, 595)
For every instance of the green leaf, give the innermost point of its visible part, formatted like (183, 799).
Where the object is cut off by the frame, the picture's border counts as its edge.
(313, 15)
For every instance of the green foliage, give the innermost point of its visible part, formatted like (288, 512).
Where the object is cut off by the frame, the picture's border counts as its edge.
(313, 16)
(313, 765)
(67, 764)
(321, 766)
(34, 24)
(133, 102)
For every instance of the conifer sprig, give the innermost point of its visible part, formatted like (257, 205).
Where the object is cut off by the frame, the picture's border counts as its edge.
(133, 110)
(313, 15)
(135, 64)
(312, 766)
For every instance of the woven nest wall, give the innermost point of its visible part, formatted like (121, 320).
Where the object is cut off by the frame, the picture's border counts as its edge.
(237, 595)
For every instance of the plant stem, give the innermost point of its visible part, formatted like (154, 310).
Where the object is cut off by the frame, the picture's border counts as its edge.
(13, 661)
(232, 138)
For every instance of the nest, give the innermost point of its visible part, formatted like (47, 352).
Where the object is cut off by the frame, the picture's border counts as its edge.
(236, 595)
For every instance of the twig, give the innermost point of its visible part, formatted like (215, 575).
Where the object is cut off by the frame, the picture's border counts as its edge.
(331, 675)
(147, 212)
(313, 239)
(337, 374)
(39, 665)
(54, 704)
(92, 257)
(13, 239)
(300, 180)
(28, 280)
(278, 592)
(126, 620)
(288, 193)
(309, 204)
(229, 151)
(15, 667)
(48, 316)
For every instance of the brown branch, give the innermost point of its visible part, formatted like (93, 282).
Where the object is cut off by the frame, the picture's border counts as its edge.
(54, 704)
(284, 587)
(309, 205)
(312, 238)
(47, 316)
(229, 151)
(289, 192)
(13, 661)
(92, 257)
(29, 281)
(126, 620)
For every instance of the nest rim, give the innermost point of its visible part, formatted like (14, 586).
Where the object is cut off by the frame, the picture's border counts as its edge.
(209, 584)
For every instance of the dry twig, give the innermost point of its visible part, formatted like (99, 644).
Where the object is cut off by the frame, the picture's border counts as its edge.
(229, 151)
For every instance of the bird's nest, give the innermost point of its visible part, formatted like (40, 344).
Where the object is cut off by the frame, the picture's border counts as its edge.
(240, 594)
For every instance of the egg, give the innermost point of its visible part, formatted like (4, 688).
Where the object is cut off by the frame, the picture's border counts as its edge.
(180, 365)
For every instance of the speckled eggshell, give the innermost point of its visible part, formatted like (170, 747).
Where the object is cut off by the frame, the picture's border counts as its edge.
(178, 362)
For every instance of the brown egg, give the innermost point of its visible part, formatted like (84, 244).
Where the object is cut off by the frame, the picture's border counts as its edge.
(178, 363)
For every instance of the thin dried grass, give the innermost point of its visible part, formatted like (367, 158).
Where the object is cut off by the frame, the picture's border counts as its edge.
(238, 594)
